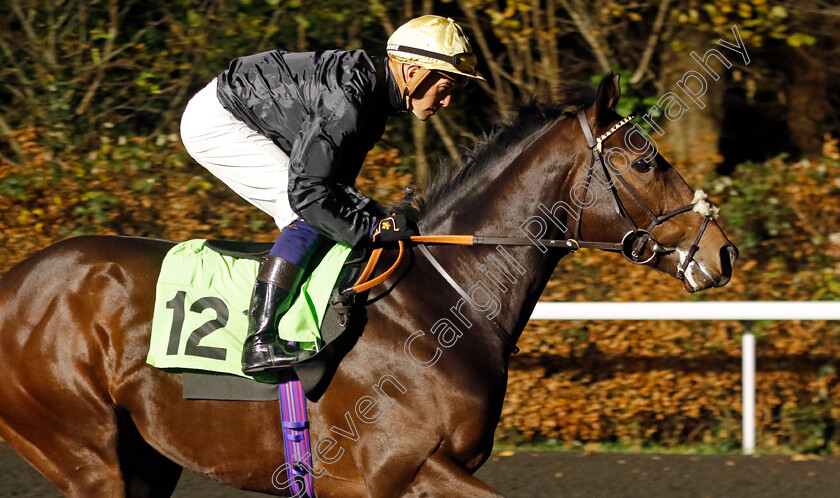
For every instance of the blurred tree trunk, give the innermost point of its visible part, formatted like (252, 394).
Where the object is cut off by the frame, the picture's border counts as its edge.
(808, 105)
(692, 141)
(587, 22)
(421, 164)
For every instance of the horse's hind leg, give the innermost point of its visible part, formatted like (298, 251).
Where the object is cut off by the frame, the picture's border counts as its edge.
(106, 457)
(64, 314)
(145, 471)
(79, 458)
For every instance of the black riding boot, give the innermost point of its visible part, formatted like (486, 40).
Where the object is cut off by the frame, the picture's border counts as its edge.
(263, 350)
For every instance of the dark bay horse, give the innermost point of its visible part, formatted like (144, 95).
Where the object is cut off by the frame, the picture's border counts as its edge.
(412, 408)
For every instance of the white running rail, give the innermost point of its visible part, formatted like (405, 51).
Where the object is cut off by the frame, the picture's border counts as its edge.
(702, 310)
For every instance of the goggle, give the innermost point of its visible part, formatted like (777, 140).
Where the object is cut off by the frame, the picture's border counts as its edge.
(464, 62)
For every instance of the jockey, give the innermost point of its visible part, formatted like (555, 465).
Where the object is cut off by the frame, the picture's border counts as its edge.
(289, 132)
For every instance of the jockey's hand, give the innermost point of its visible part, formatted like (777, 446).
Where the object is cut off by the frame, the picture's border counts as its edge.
(393, 228)
(379, 210)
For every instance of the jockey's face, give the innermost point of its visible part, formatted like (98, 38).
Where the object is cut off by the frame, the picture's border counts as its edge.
(433, 93)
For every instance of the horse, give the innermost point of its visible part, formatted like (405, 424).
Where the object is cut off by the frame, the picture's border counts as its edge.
(412, 408)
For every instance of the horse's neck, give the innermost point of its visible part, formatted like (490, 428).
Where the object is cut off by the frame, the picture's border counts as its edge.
(498, 204)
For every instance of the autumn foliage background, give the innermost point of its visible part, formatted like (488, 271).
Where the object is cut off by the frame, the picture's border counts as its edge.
(91, 93)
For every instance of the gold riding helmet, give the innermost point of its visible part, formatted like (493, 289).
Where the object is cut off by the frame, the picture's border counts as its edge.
(432, 43)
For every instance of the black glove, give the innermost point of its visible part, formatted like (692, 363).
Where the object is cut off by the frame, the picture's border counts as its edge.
(393, 228)
(379, 210)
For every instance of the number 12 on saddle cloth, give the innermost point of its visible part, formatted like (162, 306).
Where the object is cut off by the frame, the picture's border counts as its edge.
(200, 317)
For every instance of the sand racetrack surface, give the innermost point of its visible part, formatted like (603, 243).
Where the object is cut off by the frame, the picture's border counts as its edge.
(554, 474)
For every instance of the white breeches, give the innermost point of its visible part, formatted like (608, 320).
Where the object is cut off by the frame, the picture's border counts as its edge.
(246, 161)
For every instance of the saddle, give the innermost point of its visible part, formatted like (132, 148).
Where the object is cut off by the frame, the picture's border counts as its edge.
(342, 324)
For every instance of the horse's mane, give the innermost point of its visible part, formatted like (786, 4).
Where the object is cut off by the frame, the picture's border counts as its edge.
(490, 149)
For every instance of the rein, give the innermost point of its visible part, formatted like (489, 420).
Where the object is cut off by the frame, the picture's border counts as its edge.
(631, 246)
(362, 284)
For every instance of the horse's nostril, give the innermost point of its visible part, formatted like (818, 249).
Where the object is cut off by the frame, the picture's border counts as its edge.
(728, 256)
(733, 254)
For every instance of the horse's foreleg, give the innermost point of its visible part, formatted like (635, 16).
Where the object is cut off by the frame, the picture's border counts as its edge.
(440, 476)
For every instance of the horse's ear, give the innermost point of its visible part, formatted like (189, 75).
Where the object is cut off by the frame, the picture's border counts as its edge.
(609, 91)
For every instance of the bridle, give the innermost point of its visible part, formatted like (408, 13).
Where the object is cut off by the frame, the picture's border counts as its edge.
(634, 241)
(631, 246)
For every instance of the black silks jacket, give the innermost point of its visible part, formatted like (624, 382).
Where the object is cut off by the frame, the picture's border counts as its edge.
(326, 110)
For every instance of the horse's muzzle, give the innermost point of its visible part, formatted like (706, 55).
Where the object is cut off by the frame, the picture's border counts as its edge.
(701, 275)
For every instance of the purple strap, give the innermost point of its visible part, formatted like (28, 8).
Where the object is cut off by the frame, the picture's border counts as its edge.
(295, 434)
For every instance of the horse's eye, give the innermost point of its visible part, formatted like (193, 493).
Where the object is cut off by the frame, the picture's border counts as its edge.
(642, 165)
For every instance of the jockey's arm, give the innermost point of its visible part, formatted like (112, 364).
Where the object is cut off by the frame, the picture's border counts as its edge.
(353, 196)
(315, 156)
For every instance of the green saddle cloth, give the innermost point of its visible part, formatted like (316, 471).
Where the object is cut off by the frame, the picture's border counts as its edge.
(200, 318)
